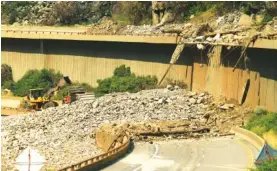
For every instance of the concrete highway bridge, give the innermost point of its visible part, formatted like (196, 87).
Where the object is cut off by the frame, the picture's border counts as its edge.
(82, 35)
(87, 58)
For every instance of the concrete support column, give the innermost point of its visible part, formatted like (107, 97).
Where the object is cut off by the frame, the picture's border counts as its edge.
(41, 46)
(43, 54)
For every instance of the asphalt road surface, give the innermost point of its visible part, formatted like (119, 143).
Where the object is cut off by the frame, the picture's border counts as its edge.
(215, 154)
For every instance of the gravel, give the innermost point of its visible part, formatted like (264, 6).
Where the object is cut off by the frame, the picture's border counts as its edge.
(64, 135)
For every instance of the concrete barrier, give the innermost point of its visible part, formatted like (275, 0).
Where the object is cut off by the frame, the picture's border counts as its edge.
(97, 162)
(249, 136)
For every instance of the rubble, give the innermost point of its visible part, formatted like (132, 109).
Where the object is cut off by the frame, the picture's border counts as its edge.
(230, 29)
(64, 135)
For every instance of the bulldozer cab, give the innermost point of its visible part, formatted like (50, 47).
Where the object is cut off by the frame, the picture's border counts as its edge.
(36, 93)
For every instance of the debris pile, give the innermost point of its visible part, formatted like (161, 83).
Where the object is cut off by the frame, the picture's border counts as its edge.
(64, 135)
(230, 29)
(106, 26)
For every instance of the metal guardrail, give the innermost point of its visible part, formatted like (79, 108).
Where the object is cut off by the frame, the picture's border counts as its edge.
(22, 31)
(43, 31)
(97, 161)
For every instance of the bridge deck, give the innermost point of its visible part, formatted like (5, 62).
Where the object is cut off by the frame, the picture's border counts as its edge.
(81, 35)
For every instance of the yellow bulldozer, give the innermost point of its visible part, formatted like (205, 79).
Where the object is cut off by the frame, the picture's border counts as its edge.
(40, 98)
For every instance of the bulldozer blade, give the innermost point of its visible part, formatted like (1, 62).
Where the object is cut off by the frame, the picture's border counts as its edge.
(64, 81)
(67, 80)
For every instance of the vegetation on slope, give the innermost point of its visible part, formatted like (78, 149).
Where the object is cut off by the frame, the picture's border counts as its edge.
(6, 76)
(135, 12)
(264, 124)
(270, 165)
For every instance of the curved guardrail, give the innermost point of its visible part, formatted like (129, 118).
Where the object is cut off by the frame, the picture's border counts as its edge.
(249, 136)
(100, 160)
(266, 152)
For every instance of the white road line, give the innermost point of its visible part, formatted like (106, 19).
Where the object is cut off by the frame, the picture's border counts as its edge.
(154, 155)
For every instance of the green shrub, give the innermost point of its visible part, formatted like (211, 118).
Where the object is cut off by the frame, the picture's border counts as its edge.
(261, 124)
(122, 71)
(134, 12)
(260, 110)
(269, 165)
(8, 85)
(6, 74)
(267, 18)
(36, 79)
(252, 7)
(146, 82)
(124, 81)
(14, 11)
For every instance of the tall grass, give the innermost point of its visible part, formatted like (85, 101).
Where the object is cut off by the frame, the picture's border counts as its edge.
(261, 124)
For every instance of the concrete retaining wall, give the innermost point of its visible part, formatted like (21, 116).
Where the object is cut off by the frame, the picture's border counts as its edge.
(215, 74)
(87, 61)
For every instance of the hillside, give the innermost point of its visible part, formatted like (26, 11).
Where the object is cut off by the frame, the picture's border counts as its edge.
(124, 13)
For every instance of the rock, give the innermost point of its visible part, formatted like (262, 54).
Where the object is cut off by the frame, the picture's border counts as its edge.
(168, 100)
(231, 18)
(95, 104)
(176, 87)
(268, 30)
(192, 101)
(200, 46)
(259, 19)
(200, 100)
(215, 134)
(191, 94)
(169, 87)
(245, 20)
(209, 39)
(160, 101)
(188, 25)
(219, 20)
(231, 105)
(201, 95)
(200, 38)
(217, 37)
(224, 107)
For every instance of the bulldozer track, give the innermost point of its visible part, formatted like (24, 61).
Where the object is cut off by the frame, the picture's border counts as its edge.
(9, 108)
(15, 110)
